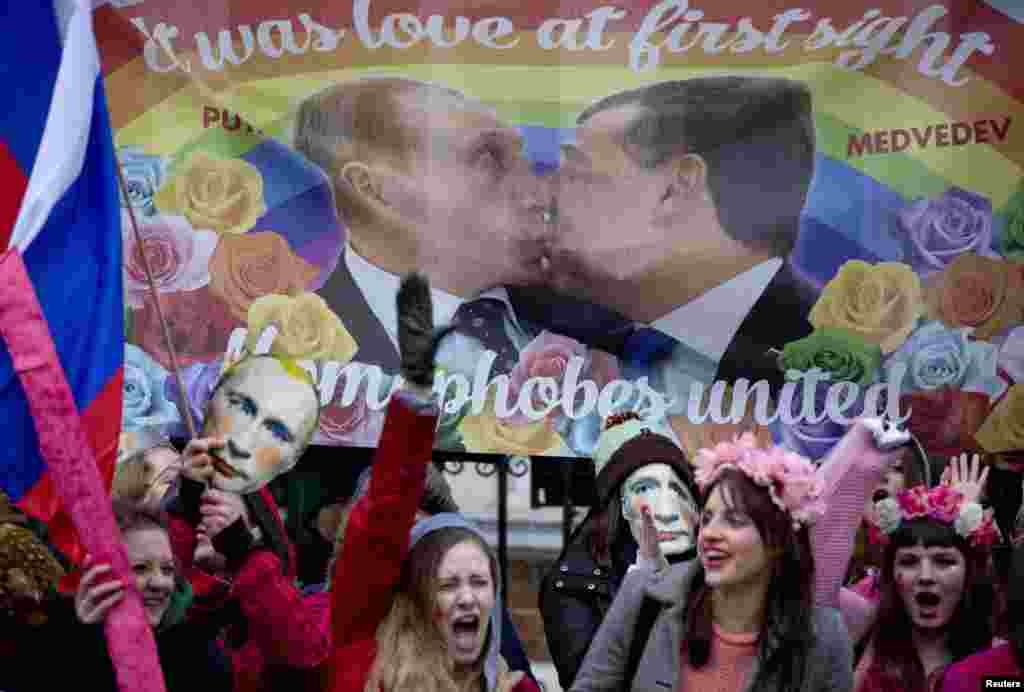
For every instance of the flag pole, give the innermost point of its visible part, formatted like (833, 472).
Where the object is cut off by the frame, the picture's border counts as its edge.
(186, 410)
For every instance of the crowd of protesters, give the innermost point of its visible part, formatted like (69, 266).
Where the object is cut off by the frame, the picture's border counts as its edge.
(743, 567)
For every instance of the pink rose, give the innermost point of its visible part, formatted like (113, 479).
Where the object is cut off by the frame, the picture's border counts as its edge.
(199, 324)
(549, 355)
(945, 504)
(914, 502)
(178, 256)
(352, 425)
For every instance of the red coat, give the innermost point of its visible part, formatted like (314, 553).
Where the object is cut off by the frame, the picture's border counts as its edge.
(376, 544)
(283, 628)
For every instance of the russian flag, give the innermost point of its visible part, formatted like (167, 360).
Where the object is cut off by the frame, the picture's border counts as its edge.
(59, 208)
(61, 303)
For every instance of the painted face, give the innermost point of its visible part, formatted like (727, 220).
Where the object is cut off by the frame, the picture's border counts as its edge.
(465, 599)
(673, 508)
(471, 205)
(731, 548)
(930, 583)
(152, 563)
(265, 414)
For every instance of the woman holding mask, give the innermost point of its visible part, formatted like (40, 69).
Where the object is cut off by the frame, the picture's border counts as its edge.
(741, 616)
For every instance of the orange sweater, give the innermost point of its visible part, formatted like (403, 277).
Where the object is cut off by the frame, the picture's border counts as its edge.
(728, 666)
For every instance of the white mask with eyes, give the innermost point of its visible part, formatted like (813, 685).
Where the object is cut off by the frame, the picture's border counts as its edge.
(266, 414)
(672, 507)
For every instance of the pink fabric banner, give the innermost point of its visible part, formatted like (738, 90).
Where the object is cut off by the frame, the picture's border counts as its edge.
(72, 466)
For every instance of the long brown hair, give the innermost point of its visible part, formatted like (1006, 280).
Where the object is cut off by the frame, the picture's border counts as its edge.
(968, 631)
(786, 635)
(412, 655)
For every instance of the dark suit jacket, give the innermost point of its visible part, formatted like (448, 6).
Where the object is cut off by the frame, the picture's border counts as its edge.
(779, 316)
(344, 297)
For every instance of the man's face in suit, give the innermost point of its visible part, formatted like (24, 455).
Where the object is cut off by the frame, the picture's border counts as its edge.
(464, 207)
(625, 230)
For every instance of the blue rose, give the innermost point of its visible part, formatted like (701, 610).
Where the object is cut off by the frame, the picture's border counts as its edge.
(144, 402)
(199, 380)
(144, 174)
(937, 356)
(937, 231)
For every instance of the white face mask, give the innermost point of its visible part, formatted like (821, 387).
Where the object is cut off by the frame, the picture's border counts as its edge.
(672, 507)
(265, 415)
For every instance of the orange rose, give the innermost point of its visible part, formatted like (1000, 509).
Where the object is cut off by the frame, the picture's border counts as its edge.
(979, 292)
(246, 267)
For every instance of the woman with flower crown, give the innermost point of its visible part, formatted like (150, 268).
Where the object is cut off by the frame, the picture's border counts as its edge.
(741, 616)
(936, 599)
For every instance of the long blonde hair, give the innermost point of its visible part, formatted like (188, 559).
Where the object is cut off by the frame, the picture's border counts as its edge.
(412, 655)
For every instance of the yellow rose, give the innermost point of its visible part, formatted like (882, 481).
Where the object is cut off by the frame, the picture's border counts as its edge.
(486, 434)
(306, 328)
(222, 195)
(881, 303)
(1003, 430)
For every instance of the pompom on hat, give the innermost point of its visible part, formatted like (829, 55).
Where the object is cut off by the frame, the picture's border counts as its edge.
(627, 443)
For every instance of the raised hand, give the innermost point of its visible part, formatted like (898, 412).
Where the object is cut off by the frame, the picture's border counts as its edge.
(417, 338)
(197, 464)
(966, 476)
(649, 549)
(96, 596)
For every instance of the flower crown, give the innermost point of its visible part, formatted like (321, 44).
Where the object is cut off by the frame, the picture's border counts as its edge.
(942, 504)
(791, 479)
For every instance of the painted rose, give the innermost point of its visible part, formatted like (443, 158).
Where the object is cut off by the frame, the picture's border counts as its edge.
(936, 356)
(224, 195)
(353, 424)
(846, 356)
(979, 292)
(1011, 241)
(1003, 429)
(486, 434)
(937, 231)
(199, 324)
(880, 303)
(945, 420)
(144, 403)
(244, 268)
(814, 440)
(144, 175)
(199, 380)
(549, 355)
(306, 328)
(178, 256)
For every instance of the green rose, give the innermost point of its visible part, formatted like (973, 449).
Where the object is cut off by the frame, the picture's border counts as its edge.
(846, 356)
(1012, 241)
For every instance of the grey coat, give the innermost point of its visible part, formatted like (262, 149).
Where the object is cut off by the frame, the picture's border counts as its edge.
(829, 667)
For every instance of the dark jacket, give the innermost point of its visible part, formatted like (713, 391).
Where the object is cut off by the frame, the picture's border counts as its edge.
(48, 656)
(575, 594)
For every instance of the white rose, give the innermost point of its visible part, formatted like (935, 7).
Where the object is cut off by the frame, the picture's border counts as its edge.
(970, 518)
(889, 515)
